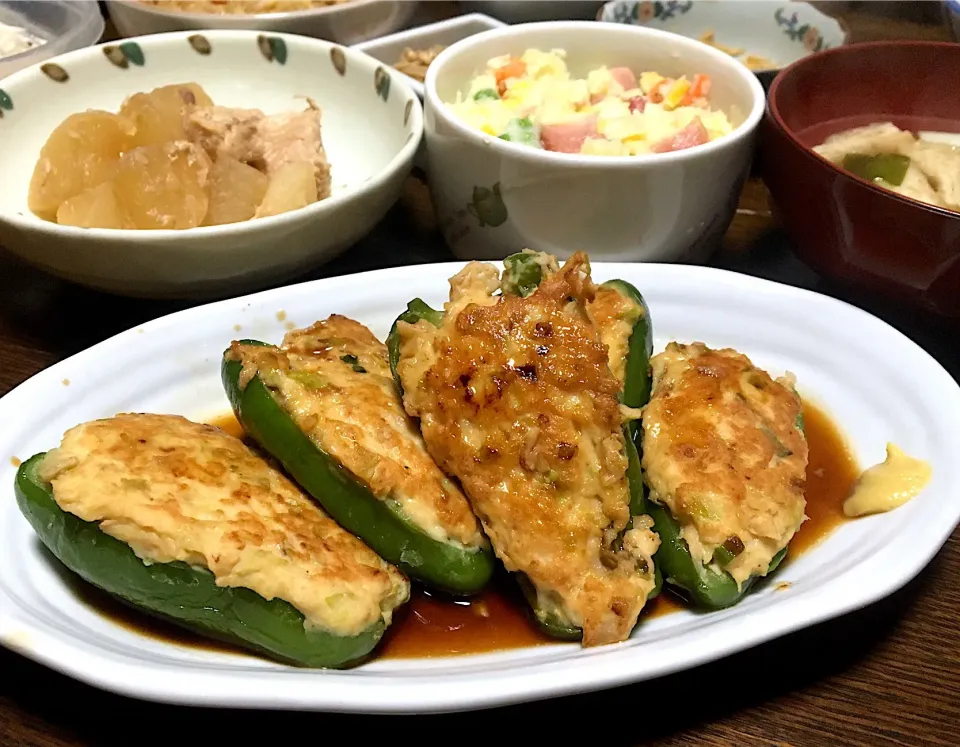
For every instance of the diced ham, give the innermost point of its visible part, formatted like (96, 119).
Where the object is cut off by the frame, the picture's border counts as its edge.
(568, 137)
(693, 134)
(638, 104)
(624, 76)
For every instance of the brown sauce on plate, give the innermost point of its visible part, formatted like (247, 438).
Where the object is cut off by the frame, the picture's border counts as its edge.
(831, 472)
(498, 619)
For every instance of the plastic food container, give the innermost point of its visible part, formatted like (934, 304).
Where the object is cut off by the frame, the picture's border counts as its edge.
(64, 26)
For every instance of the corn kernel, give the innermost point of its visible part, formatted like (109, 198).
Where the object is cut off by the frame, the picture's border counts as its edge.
(676, 93)
(648, 81)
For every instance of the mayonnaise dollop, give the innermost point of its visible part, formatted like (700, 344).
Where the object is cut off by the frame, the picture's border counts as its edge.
(888, 485)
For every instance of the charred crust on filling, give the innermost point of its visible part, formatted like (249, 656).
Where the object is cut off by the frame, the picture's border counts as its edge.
(734, 545)
(543, 329)
(528, 372)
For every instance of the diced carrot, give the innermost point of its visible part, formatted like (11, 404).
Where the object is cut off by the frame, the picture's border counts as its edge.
(701, 86)
(656, 93)
(700, 89)
(513, 69)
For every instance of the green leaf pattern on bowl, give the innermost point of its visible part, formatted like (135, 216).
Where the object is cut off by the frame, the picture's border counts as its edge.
(272, 48)
(808, 35)
(487, 206)
(124, 55)
(381, 83)
(133, 52)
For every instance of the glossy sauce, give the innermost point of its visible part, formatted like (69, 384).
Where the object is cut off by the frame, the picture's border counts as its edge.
(831, 473)
(498, 618)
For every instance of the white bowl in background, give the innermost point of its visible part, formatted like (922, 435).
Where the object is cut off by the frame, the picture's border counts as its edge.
(388, 49)
(495, 197)
(64, 26)
(346, 23)
(370, 128)
(781, 31)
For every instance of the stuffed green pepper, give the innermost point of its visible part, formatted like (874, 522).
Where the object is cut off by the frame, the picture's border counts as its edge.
(326, 406)
(515, 398)
(185, 522)
(622, 317)
(725, 457)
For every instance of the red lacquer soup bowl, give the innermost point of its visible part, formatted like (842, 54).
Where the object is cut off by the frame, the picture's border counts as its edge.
(844, 227)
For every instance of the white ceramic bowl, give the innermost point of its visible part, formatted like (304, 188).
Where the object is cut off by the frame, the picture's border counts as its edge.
(495, 197)
(64, 26)
(370, 128)
(347, 23)
(781, 31)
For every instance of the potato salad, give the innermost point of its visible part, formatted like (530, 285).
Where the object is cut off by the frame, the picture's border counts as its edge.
(534, 100)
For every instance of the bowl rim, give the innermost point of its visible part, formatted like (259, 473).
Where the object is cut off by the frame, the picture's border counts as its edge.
(434, 104)
(277, 16)
(776, 119)
(327, 205)
(810, 7)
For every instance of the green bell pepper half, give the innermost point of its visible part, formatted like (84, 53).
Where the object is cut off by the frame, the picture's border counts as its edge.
(416, 310)
(548, 622)
(637, 380)
(379, 523)
(180, 593)
(522, 274)
(703, 586)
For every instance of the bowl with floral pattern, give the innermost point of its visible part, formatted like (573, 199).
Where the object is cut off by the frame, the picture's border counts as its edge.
(764, 35)
(371, 125)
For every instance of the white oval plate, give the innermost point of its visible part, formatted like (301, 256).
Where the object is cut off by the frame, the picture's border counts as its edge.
(874, 381)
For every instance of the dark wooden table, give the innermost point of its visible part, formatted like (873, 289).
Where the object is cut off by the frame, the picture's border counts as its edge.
(886, 675)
